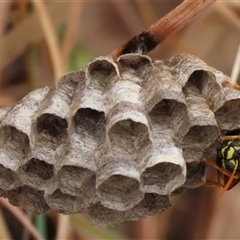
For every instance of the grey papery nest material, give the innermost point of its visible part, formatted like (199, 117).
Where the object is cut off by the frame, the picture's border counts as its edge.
(117, 139)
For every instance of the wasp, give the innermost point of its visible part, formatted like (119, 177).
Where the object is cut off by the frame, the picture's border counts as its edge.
(227, 162)
(228, 157)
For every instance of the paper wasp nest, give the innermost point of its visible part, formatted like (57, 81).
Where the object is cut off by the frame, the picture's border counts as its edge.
(117, 139)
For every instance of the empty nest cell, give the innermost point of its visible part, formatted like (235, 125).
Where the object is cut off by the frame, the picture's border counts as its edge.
(130, 140)
(15, 148)
(118, 185)
(77, 181)
(37, 173)
(64, 203)
(28, 198)
(8, 178)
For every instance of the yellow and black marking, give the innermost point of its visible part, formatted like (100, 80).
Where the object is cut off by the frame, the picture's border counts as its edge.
(228, 154)
(228, 162)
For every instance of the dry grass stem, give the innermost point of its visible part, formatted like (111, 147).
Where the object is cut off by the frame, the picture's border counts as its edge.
(146, 11)
(133, 22)
(62, 226)
(11, 48)
(74, 12)
(51, 38)
(228, 14)
(236, 67)
(22, 218)
(147, 229)
(4, 232)
(4, 8)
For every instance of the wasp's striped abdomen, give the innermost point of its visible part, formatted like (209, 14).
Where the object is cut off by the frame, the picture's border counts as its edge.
(228, 154)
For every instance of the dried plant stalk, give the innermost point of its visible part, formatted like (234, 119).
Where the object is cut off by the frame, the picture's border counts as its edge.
(51, 38)
(162, 29)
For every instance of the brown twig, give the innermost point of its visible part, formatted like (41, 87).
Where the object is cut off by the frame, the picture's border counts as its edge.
(162, 29)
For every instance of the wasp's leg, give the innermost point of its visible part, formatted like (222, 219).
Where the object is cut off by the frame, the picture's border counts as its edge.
(229, 138)
(220, 169)
(210, 183)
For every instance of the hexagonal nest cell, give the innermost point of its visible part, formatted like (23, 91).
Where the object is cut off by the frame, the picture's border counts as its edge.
(117, 139)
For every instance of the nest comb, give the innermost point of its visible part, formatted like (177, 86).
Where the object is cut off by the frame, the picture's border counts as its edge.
(117, 139)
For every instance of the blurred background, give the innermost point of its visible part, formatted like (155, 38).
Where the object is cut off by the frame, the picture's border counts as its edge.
(40, 41)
